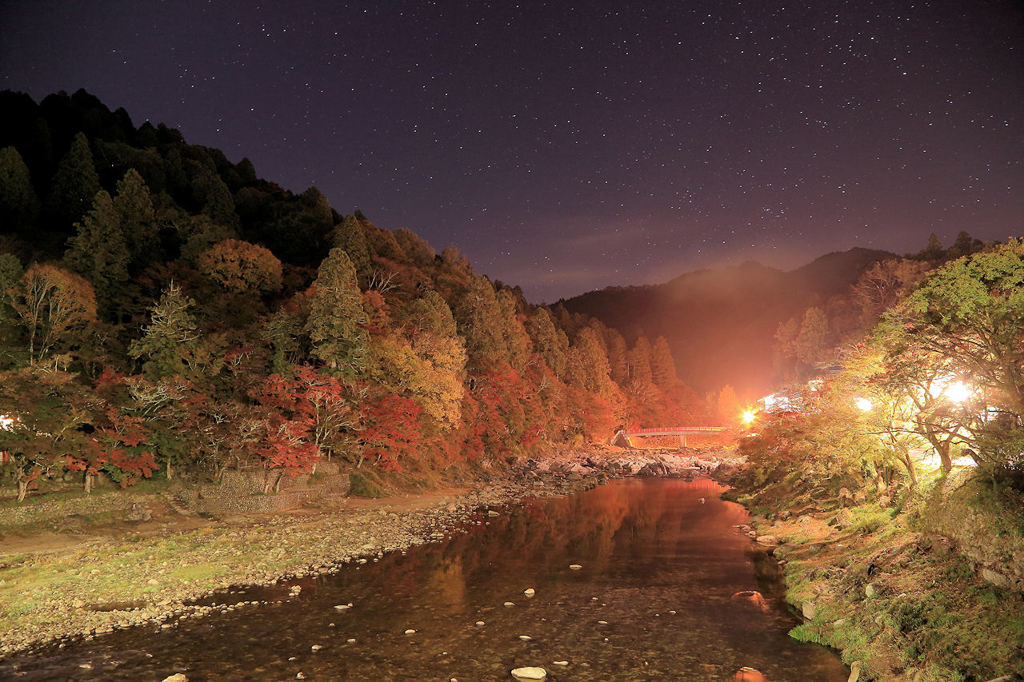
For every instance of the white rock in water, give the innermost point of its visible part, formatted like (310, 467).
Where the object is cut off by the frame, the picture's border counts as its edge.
(176, 677)
(560, 662)
(525, 638)
(602, 622)
(508, 603)
(410, 632)
(342, 607)
(479, 623)
(574, 567)
(316, 647)
(351, 640)
(529, 673)
(529, 591)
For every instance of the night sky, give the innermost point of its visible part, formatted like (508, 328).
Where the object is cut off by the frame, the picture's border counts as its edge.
(570, 146)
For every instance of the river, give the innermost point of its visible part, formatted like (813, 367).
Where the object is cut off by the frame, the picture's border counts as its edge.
(660, 560)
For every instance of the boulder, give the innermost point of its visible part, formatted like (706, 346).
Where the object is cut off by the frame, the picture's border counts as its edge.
(809, 609)
(751, 597)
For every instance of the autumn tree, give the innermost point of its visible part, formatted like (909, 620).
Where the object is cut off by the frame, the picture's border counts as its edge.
(336, 316)
(52, 305)
(241, 267)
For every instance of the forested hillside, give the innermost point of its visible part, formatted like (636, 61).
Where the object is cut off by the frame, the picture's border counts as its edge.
(165, 310)
(752, 327)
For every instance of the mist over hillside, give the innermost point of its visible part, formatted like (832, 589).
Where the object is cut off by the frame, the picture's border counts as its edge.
(720, 323)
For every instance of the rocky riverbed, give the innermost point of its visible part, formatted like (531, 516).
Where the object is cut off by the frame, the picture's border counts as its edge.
(129, 579)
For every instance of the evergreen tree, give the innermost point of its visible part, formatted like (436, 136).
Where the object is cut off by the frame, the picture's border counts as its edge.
(348, 235)
(19, 205)
(74, 184)
(812, 340)
(98, 251)
(663, 366)
(617, 357)
(549, 341)
(336, 316)
(169, 343)
(479, 320)
(639, 359)
(134, 208)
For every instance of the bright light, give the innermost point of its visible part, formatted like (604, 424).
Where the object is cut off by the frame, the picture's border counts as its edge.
(749, 416)
(863, 404)
(6, 422)
(957, 392)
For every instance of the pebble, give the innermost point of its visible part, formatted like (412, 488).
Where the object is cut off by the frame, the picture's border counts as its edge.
(351, 640)
(602, 622)
(508, 603)
(525, 638)
(560, 662)
(176, 677)
(529, 673)
(343, 607)
(529, 591)
(479, 623)
(410, 632)
(316, 647)
(574, 567)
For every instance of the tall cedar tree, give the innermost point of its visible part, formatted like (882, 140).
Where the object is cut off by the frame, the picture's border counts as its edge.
(337, 318)
(19, 205)
(99, 252)
(73, 186)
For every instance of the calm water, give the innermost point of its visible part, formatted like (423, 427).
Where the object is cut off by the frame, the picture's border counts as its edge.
(648, 548)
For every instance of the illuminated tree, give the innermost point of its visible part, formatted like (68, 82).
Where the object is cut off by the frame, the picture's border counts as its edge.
(549, 341)
(349, 236)
(169, 344)
(52, 304)
(241, 267)
(729, 408)
(480, 322)
(663, 366)
(337, 317)
(812, 340)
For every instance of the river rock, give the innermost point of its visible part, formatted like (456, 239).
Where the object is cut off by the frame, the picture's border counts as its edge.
(529, 673)
(176, 677)
(870, 590)
(995, 578)
(808, 609)
(854, 672)
(529, 591)
(746, 674)
(574, 567)
(563, 663)
(410, 631)
(768, 540)
(752, 597)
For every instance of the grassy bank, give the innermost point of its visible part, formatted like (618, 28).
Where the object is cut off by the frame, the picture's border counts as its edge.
(921, 587)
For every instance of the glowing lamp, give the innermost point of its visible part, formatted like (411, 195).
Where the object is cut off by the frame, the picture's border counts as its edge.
(957, 392)
(749, 416)
(863, 404)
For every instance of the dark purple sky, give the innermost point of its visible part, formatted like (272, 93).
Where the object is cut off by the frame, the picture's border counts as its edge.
(568, 146)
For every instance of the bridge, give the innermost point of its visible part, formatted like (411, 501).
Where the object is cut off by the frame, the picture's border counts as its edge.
(623, 435)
